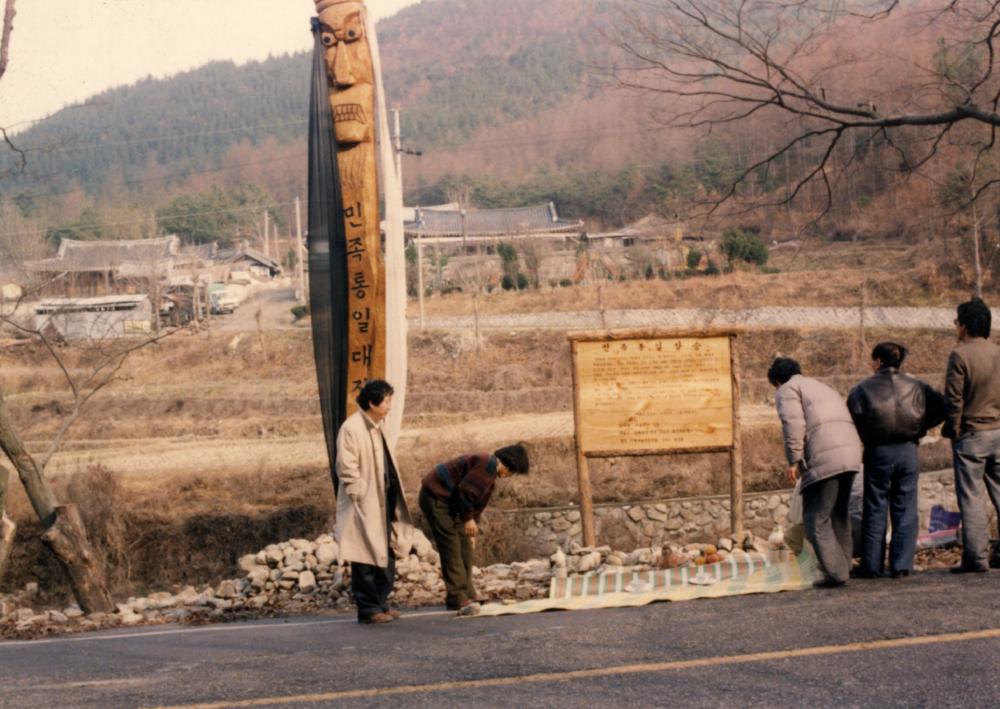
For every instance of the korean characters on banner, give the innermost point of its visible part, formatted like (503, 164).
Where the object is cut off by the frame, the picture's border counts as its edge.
(362, 296)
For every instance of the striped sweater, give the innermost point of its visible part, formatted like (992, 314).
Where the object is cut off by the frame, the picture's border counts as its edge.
(465, 483)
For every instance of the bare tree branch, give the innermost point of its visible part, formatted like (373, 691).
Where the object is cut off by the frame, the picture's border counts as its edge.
(8, 27)
(807, 65)
(22, 158)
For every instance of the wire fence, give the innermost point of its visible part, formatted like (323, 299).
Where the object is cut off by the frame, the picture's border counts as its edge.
(922, 318)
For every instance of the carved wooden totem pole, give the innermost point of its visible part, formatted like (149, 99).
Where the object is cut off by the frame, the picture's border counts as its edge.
(347, 278)
(352, 102)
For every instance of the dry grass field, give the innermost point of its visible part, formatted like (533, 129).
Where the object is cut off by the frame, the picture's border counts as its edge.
(211, 445)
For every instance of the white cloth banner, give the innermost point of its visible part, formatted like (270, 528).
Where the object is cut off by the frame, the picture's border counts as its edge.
(395, 251)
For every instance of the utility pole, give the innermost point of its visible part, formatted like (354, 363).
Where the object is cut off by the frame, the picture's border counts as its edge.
(274, 242)
(300, 253)
(397, 141)
(267, 229)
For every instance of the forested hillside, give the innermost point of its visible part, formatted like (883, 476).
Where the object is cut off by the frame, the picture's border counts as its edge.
(453, 66)
(512, 103)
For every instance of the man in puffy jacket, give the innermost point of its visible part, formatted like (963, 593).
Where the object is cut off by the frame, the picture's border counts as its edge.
(821, 445)
(892, 411)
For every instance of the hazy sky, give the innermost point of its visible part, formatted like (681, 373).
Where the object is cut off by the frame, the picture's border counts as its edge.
(63, 51)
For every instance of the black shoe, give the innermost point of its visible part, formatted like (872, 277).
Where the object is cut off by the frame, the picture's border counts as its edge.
(860, 573)
(375, 619)
(900, 574)
(828, 582)
(995, 563)
(963, 569)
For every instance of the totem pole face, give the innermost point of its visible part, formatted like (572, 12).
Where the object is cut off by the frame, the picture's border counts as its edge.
(349, 68)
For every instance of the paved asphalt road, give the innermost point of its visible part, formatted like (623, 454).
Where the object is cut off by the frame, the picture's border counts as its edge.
(274, 306)
(931, 640)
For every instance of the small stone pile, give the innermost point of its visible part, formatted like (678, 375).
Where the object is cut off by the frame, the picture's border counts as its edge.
(293, 576)
(301, 575)
(603, 559)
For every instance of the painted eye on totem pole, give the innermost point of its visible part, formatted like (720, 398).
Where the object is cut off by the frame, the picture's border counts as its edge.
(328, 40)
(353, 28)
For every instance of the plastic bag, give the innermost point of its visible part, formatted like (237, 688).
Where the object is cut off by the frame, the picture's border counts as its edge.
(795, 504)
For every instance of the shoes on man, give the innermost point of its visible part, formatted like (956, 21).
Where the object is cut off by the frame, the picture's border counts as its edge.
(828, 582)
(468, 609)
(900, 573)
(394, 612)
(963, 569)
(375, 619)
(457, 607)
(860, 573)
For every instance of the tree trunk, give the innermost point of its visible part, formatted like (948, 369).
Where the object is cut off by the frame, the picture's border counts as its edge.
(7, 526)
(977, 262)
(64, 532)
(67, 539)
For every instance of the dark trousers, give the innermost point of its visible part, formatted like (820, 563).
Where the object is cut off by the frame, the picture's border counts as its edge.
(891, 478)
(454, 548)
(828, 525)
(371, 586)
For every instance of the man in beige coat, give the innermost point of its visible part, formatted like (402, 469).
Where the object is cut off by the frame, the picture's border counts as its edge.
(373, 522)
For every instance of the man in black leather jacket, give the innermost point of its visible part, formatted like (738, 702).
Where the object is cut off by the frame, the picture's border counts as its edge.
(892, 412)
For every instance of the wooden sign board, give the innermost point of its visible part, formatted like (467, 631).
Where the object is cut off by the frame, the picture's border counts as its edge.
(647, 392)
(654, 395)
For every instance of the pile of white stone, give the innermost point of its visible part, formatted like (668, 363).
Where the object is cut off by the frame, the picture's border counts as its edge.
(299, 575)
(603, 559)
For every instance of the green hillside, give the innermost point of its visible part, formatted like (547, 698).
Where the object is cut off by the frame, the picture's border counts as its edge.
(452, 65)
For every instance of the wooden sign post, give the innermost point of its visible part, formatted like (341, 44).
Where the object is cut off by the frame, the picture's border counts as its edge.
(649, 392)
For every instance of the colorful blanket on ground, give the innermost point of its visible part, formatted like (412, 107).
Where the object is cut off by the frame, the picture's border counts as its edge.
(756, 573)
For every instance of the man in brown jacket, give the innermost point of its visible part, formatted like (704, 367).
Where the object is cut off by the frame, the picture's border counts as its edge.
(972, 396)
(373, 522)
(452, 497)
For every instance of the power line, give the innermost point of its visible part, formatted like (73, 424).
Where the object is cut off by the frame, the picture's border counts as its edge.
(143, 180)
(153, 219)
(166, 138)
(564, 136)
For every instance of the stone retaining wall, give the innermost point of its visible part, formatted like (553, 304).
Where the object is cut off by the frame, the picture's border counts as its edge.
(682, 520)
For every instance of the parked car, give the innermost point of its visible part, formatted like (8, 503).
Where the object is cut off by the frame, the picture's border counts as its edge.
(223, 302)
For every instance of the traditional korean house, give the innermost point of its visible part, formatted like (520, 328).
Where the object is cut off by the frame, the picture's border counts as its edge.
(491, 225)
(95, 318)
(245, 261)
(100, 268)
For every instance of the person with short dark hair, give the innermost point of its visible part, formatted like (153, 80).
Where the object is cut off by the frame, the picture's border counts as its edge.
(972, 395)
(781, 370)
(452, 497)
(892, 412)
(373, 522)
(821, 446)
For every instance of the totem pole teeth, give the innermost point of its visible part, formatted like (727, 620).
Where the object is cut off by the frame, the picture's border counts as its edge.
(348, 112)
